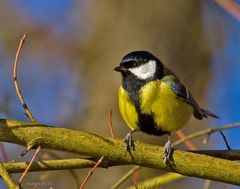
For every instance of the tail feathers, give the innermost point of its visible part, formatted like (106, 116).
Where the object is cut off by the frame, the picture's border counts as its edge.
(207, 113)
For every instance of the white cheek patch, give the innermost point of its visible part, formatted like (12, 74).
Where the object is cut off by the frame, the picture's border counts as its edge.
(144, 71)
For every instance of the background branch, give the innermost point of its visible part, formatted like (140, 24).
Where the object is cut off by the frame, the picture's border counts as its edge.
(7, 178)
(51, 165)
(18, 91)
(206, 132)
(158, 181)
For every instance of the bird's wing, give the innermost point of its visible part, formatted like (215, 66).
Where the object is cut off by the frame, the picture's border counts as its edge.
(185, 95)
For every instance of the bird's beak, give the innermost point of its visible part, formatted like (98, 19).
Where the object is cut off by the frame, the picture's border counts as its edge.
(119, 69)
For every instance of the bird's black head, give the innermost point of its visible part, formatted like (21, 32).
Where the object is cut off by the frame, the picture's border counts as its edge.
(140, 65)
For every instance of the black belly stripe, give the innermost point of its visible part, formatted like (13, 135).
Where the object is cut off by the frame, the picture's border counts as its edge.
(147, 125)
(145, 122)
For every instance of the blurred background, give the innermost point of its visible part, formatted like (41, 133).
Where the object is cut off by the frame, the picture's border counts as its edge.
(67, 79)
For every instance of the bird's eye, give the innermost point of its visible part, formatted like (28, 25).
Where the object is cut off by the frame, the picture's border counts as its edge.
(134, 64)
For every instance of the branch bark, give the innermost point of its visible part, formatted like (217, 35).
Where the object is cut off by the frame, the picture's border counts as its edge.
(7, 178)
(61, 139)
(51, 165)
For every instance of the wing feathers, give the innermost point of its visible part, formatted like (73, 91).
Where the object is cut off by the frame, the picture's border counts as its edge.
(184, 94)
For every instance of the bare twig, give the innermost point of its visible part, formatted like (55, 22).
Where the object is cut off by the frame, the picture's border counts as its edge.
(110, 124)
(7, 178)
(223, 154)
(18, 91)
(91, 172)
(225, 140)
(29, 165)
(3, 152)
(28, 113)
(206, 132)
(231, 7)
(190, 145)
(136, 177)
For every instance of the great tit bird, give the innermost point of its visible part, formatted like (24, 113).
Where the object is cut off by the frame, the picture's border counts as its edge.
(153, 100)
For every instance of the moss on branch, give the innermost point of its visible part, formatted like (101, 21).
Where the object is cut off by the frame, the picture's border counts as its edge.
(61, 139)
(48, 165)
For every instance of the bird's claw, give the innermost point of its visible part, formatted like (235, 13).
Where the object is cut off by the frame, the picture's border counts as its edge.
(128, 142)
(167, 152)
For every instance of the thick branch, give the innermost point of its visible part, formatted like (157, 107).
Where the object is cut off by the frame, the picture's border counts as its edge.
(185, 163)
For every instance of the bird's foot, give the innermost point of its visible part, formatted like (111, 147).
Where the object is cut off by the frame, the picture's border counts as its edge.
(167, 152)
(128, 142)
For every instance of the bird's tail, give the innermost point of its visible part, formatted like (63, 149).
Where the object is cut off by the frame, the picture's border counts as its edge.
(207, 113)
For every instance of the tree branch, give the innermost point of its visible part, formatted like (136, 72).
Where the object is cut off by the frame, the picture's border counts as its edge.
(6, 177)
(185, 163)
(51, 165)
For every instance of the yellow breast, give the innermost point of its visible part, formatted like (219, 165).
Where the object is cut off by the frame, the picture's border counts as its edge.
(170, 113)
(127, 109)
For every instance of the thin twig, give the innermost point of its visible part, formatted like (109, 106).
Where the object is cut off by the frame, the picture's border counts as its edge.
(19, 93)
(3, 152)
(223, 154)
(225, 140)
(7, 178)
(110, 123)
(231, 7)
(91, 172)
(29, 165)
(205, 132)
(136, 177)
(125, 177)
(28, 113)
(189, 144)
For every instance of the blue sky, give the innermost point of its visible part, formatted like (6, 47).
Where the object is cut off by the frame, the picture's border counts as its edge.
(224, 89)
(54, 85)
